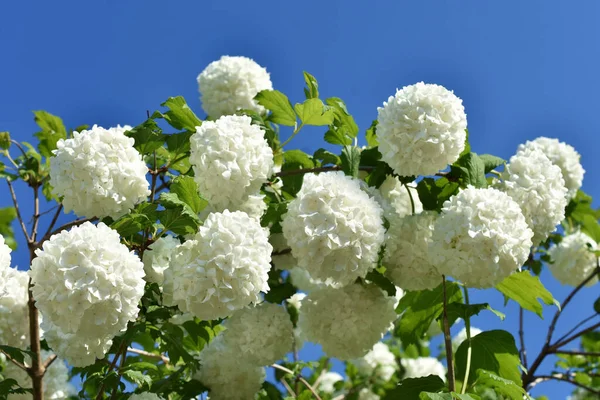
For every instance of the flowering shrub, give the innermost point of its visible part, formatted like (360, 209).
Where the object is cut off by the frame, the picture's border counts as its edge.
(210, 251)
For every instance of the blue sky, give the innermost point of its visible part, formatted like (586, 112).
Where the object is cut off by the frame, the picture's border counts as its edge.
(523, 69)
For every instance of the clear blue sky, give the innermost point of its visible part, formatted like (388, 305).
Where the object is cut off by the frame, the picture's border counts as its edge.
(523, 69)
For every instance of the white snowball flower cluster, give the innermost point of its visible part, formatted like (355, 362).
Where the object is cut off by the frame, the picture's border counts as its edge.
(421, 129)
(480, 237)
(227, 376)
(14, 313)
(565, 157)
(347, 322)
(230, 84)
(87, 285)
(406, 256)
(573, 259)
(223, 269)
(261, 335)
(335, 230)
(366, 394)
(157, 258)
(303, 281)
(77, 350)
(397, 199)
(99, 173)
(538, 187)
(423, 366)
(4, 254)
(145, 396)
(231, 160)
(461, 336)
(328, 380)
(56, 379)
(379, 363)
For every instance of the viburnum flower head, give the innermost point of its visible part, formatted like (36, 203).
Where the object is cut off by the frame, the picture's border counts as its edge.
(573, 259)
(461, 336)
(14, 313)
(226, 375)
(348, 321)
(230, 84)
(538, 187)
(480, 237)
(157, 258)
(4, 254)
(421, 130)
(565, 157)
(423, 366)
(406, 257)
(231, 160)
(261, 335)
(98, 173)
(335, 230)
(77, 350)
(223, 269)
(379, 363)
(328, 381)
(86, 283)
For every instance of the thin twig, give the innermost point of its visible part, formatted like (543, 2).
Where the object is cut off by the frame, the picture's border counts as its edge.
(289, 371)
(110, 368)
(578, 353)
(287, 387)
(575, 336)
(563, 378)
(563, 337)
(522, 350)
(54, 219)
(12, 360)
(15, 203)
(36, 212)
(448, 339)
(49, 361)
(145, 353)
(19, 147)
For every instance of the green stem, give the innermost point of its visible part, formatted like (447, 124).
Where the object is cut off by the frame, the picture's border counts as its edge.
(468, 329)
(293, 134)
(412, 201)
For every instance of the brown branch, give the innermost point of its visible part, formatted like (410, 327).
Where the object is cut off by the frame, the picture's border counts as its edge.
(281, 252)
(448, 339)
(16, 205)
(318, 169)
(522, 350)
(110, 368)
(563, 378)
(164, 358)
(304, 382)
(36, 213)
(12, 360)
(575, 336)
(37, 370)
(54, 219)
(563, 337)
(49, 361)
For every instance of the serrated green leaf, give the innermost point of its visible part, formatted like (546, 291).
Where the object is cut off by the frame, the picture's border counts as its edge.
(337, 137)
(178, 143)
(525, 289)
(137, 377)
(52, 131)
(143, 216)
(464, 311)
(178, 217)
(180, 115)
(7, 216)
(343, 122)
(434, 192)
(187, 190)
(314, 112)
(350, 160)
(17, 354)
(371, 135)
(278, 103)
(490, 162)
(411, 388)
(470, 169)
(501, 385)
(312, 87)
(148, 137)
(326, 157)
(383, 282)
(4, 140)
(295, 160)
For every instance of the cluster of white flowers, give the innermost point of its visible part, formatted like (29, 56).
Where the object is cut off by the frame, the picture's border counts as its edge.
(157, 258)
(230, 84)
(347, 322)
(304, 282)
(4, 254)
(87, 285)
(423, 366)
(223, 269)
(98, 173)
(261, 335)
(335, 230)
(399, 199)
(231, 160)
(421, 129)
(328, 380)
(367, 394)
(14, 313)
(480, 237)
(461, 336)
(228, 376)
(573, 259)
(565, 157)
(538, 187)
(379, 363)
(407, 252)
(56, 379)
(145, 396)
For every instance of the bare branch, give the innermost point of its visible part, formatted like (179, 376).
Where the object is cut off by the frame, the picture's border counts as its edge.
(448, 340)
(49, 361)
(164, 358)
(12, 360)
(304, 382)
(563, 378)
(16, 204)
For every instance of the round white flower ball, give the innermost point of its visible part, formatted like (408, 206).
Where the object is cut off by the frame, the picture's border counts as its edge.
(406, 256)
(367, 394)
(397, 198)
(86, 282)
(480, 237)
(98, 173)
(304, 282)
(4, 254)
(539, 189)
(261, 335)
(223, 269)
(461, 336)
(230, 84)
(423, 366)
(231, 160)
(157, 258)
(421, 129)
(328, 380)
(565, 157)
(335, 230)
(226, 375)
(77, 350)
(145, 396)
(14, 313)
(347, 322)
(573, 259)
(379, 363)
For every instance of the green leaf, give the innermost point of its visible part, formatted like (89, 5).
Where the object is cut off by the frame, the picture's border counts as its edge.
(589, 226)
(470, 169)
(11, 386)
(187, 190)
(4, 140)
(137, 377)
(448, 396)
(180, 115)
(434, 192)
(490, 162)
(597, 305)
(371, 135)
(295, 160)
(326, 157)
(494, 351)
(314, 112)
(52, 131)
(178, 143)
(142, 217)
(501, 385)
(525, 289)
(312, 87)
(411, 388)
(350, 160)
(17, 354)
(7, 216)
(383, 282)
(421, 308)
(272, 217)
(148, 137)
(337, 137)
(464, 311)
(278, 103)
(178, 217)
(343, 121)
